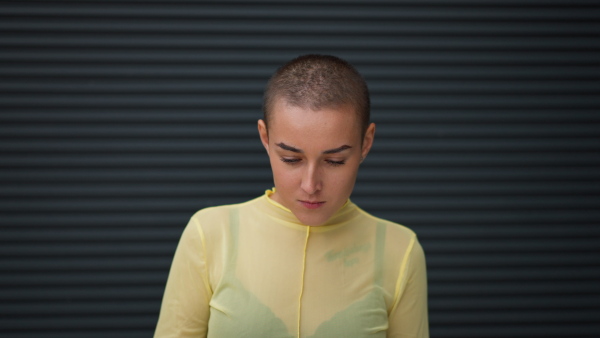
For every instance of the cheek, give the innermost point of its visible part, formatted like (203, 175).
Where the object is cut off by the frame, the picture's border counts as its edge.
(281, 174)
(344, 180)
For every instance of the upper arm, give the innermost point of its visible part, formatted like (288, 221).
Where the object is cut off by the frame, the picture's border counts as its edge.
(185, 307)
(409, 317)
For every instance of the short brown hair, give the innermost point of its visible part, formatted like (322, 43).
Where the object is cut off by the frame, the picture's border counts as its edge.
(319, 81)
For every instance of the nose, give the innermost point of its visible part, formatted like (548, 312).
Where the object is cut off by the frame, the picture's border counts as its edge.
(311, 181)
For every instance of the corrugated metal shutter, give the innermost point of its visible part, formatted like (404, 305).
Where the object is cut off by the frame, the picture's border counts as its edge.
(120, 119)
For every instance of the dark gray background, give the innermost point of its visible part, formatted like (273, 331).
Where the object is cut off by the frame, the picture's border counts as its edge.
(118, 120)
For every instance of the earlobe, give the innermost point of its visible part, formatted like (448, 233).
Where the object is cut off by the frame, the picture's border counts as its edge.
(263, 134)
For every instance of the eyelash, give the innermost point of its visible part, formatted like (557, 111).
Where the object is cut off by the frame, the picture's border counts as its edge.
(335, 163)
(293, 161)
(290, 160)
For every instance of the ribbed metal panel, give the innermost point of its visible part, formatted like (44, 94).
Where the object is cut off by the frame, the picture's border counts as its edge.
(120, 119)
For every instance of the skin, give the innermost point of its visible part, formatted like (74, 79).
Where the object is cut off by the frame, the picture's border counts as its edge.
(315, 156)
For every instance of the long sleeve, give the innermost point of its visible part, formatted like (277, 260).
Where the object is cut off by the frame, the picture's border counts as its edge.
(185, 306)
(409, 318)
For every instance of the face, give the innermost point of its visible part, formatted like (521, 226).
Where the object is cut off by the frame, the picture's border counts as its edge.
(315, 157)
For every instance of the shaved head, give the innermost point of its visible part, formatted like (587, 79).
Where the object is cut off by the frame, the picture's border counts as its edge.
(316, 82)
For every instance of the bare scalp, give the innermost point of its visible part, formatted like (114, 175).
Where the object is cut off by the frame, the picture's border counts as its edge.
(316, 82)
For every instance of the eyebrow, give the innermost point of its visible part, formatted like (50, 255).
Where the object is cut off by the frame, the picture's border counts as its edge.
(296, 150)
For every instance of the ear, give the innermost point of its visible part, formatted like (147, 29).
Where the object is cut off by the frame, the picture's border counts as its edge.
(264, 135)
(368, 140)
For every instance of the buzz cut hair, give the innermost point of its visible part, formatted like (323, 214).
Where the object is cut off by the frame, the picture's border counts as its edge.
(318, 81)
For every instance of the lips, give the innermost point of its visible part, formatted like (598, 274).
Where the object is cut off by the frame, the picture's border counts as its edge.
(311, 205)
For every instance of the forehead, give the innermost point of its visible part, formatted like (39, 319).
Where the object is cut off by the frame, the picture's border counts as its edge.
(302, 125)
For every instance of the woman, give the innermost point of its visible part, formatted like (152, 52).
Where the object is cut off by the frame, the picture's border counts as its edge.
(301, 260)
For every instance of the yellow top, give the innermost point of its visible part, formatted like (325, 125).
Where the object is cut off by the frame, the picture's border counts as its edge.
(252, 270)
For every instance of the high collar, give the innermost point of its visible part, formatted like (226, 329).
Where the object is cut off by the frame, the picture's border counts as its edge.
(284, 216)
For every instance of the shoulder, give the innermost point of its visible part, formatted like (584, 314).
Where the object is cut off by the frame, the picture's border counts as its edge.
(217, 219)
(400, 243)
(221, 212)
(391, 228)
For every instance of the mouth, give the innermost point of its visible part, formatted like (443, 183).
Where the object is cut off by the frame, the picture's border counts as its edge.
(311, 205)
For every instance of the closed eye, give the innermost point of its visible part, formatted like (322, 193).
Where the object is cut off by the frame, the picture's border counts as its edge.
(335, 163)
(290, 160)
